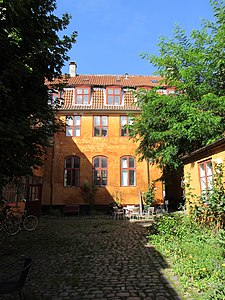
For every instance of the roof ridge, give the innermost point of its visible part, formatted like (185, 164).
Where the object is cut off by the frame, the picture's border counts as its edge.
(114, 75)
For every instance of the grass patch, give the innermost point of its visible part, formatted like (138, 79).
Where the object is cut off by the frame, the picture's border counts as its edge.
(196, 254)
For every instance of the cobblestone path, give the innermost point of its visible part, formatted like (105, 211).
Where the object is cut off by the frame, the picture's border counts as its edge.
(82, 258)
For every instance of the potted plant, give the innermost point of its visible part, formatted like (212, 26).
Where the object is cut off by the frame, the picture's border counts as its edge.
(88, 193)
(149, 196)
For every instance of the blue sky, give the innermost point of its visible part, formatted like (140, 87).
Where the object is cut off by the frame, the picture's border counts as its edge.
(113, 33)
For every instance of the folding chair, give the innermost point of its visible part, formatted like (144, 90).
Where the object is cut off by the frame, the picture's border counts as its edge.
(13, 276)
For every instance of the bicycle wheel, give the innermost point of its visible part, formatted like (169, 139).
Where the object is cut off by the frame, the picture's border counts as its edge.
(30, 223)
(3, 235)
(12, 225)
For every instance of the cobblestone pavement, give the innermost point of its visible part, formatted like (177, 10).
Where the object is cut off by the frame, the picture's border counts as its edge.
(84, 258)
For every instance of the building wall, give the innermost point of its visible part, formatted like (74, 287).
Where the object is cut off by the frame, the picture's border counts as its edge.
(86, 147)
(191, 167)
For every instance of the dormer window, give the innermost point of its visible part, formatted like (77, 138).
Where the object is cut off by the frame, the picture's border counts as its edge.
(82, 95)
(113, 95)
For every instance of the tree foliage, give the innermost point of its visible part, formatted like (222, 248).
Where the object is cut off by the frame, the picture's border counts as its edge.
(31, 52)
(171, 126)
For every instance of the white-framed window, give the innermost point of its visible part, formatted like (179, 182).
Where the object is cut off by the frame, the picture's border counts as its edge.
(128, 171)
(73, 125)
(101, 126)
(100, 170)
(72, 171)
(125, 120)
(82, 95)
(206, 177)
(113, 96)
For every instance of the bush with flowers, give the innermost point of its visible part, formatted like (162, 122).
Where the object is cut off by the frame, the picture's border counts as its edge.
(196, 254)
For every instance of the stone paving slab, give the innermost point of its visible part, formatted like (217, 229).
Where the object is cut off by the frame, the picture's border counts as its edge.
(86, 258)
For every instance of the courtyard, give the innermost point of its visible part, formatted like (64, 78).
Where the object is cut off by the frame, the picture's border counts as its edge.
(91, 258)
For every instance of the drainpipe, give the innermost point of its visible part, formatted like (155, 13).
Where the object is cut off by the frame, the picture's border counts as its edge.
(51, 175)
(148, 171)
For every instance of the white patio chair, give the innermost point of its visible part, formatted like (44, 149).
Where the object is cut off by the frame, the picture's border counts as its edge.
(118, 213)
(135, 213)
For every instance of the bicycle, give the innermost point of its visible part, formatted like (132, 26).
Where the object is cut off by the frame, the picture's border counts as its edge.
(13, 222)
(29, 222)
(9, 222)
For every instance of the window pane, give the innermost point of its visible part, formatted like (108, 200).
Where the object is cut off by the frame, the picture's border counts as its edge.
(110, 99)
(123, 120)
(131, 162)
(96, 131)
(110, 91)
(104, 162)
(79, 100)
(68, 163)
(79, 91)
(124, 180)
(202, 170)
(86, 91)
(69, 121)
(104, 177)
(69, 131)
(123, 132)
(210, 183)
(209, 168)
(96, 120)
(117, 91)
(203, 183)
(77, 179)
(77, 120)
(96, 162)
(77, 132)
(104, 131)
(73, 177)
(130, 120)
(132, 177)
(117, 100)
(76, 162)
(124, 163)
(85, 99)
(96, 177)
(104, 120)
(65, 178)
(68, 177)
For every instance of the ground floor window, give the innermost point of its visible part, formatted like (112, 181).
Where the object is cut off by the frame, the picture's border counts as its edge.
(128, 171)
(206, 177)
(100, 170)
(72, 171)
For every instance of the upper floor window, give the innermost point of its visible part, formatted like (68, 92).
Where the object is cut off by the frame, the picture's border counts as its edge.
(206, 177)
(114, 95)
(72, 171)
(128, 171)
(125, 120)
(55, 97)
(100, 126)
(100, 171)
(73, 125)
(82, 95)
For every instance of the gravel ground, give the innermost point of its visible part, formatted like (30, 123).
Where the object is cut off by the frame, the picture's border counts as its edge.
(91, 258)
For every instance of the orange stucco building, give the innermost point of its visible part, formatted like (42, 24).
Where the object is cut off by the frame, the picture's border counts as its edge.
(199, 169)
(95, 149)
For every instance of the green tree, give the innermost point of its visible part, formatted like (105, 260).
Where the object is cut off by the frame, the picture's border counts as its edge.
(171, 126)
(31, 53)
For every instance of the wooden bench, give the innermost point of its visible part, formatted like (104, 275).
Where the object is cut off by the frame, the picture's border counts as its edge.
(71, 209)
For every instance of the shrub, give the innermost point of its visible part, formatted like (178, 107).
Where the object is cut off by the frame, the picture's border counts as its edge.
(196, 253)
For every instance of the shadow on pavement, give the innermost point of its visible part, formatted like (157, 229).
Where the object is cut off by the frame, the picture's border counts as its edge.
(84, 258)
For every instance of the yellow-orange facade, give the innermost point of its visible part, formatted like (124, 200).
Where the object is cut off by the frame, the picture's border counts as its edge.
(199, 168)
(95, 109)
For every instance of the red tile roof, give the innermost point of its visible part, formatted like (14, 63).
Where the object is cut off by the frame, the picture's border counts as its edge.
(98, 83)
(117, 80)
